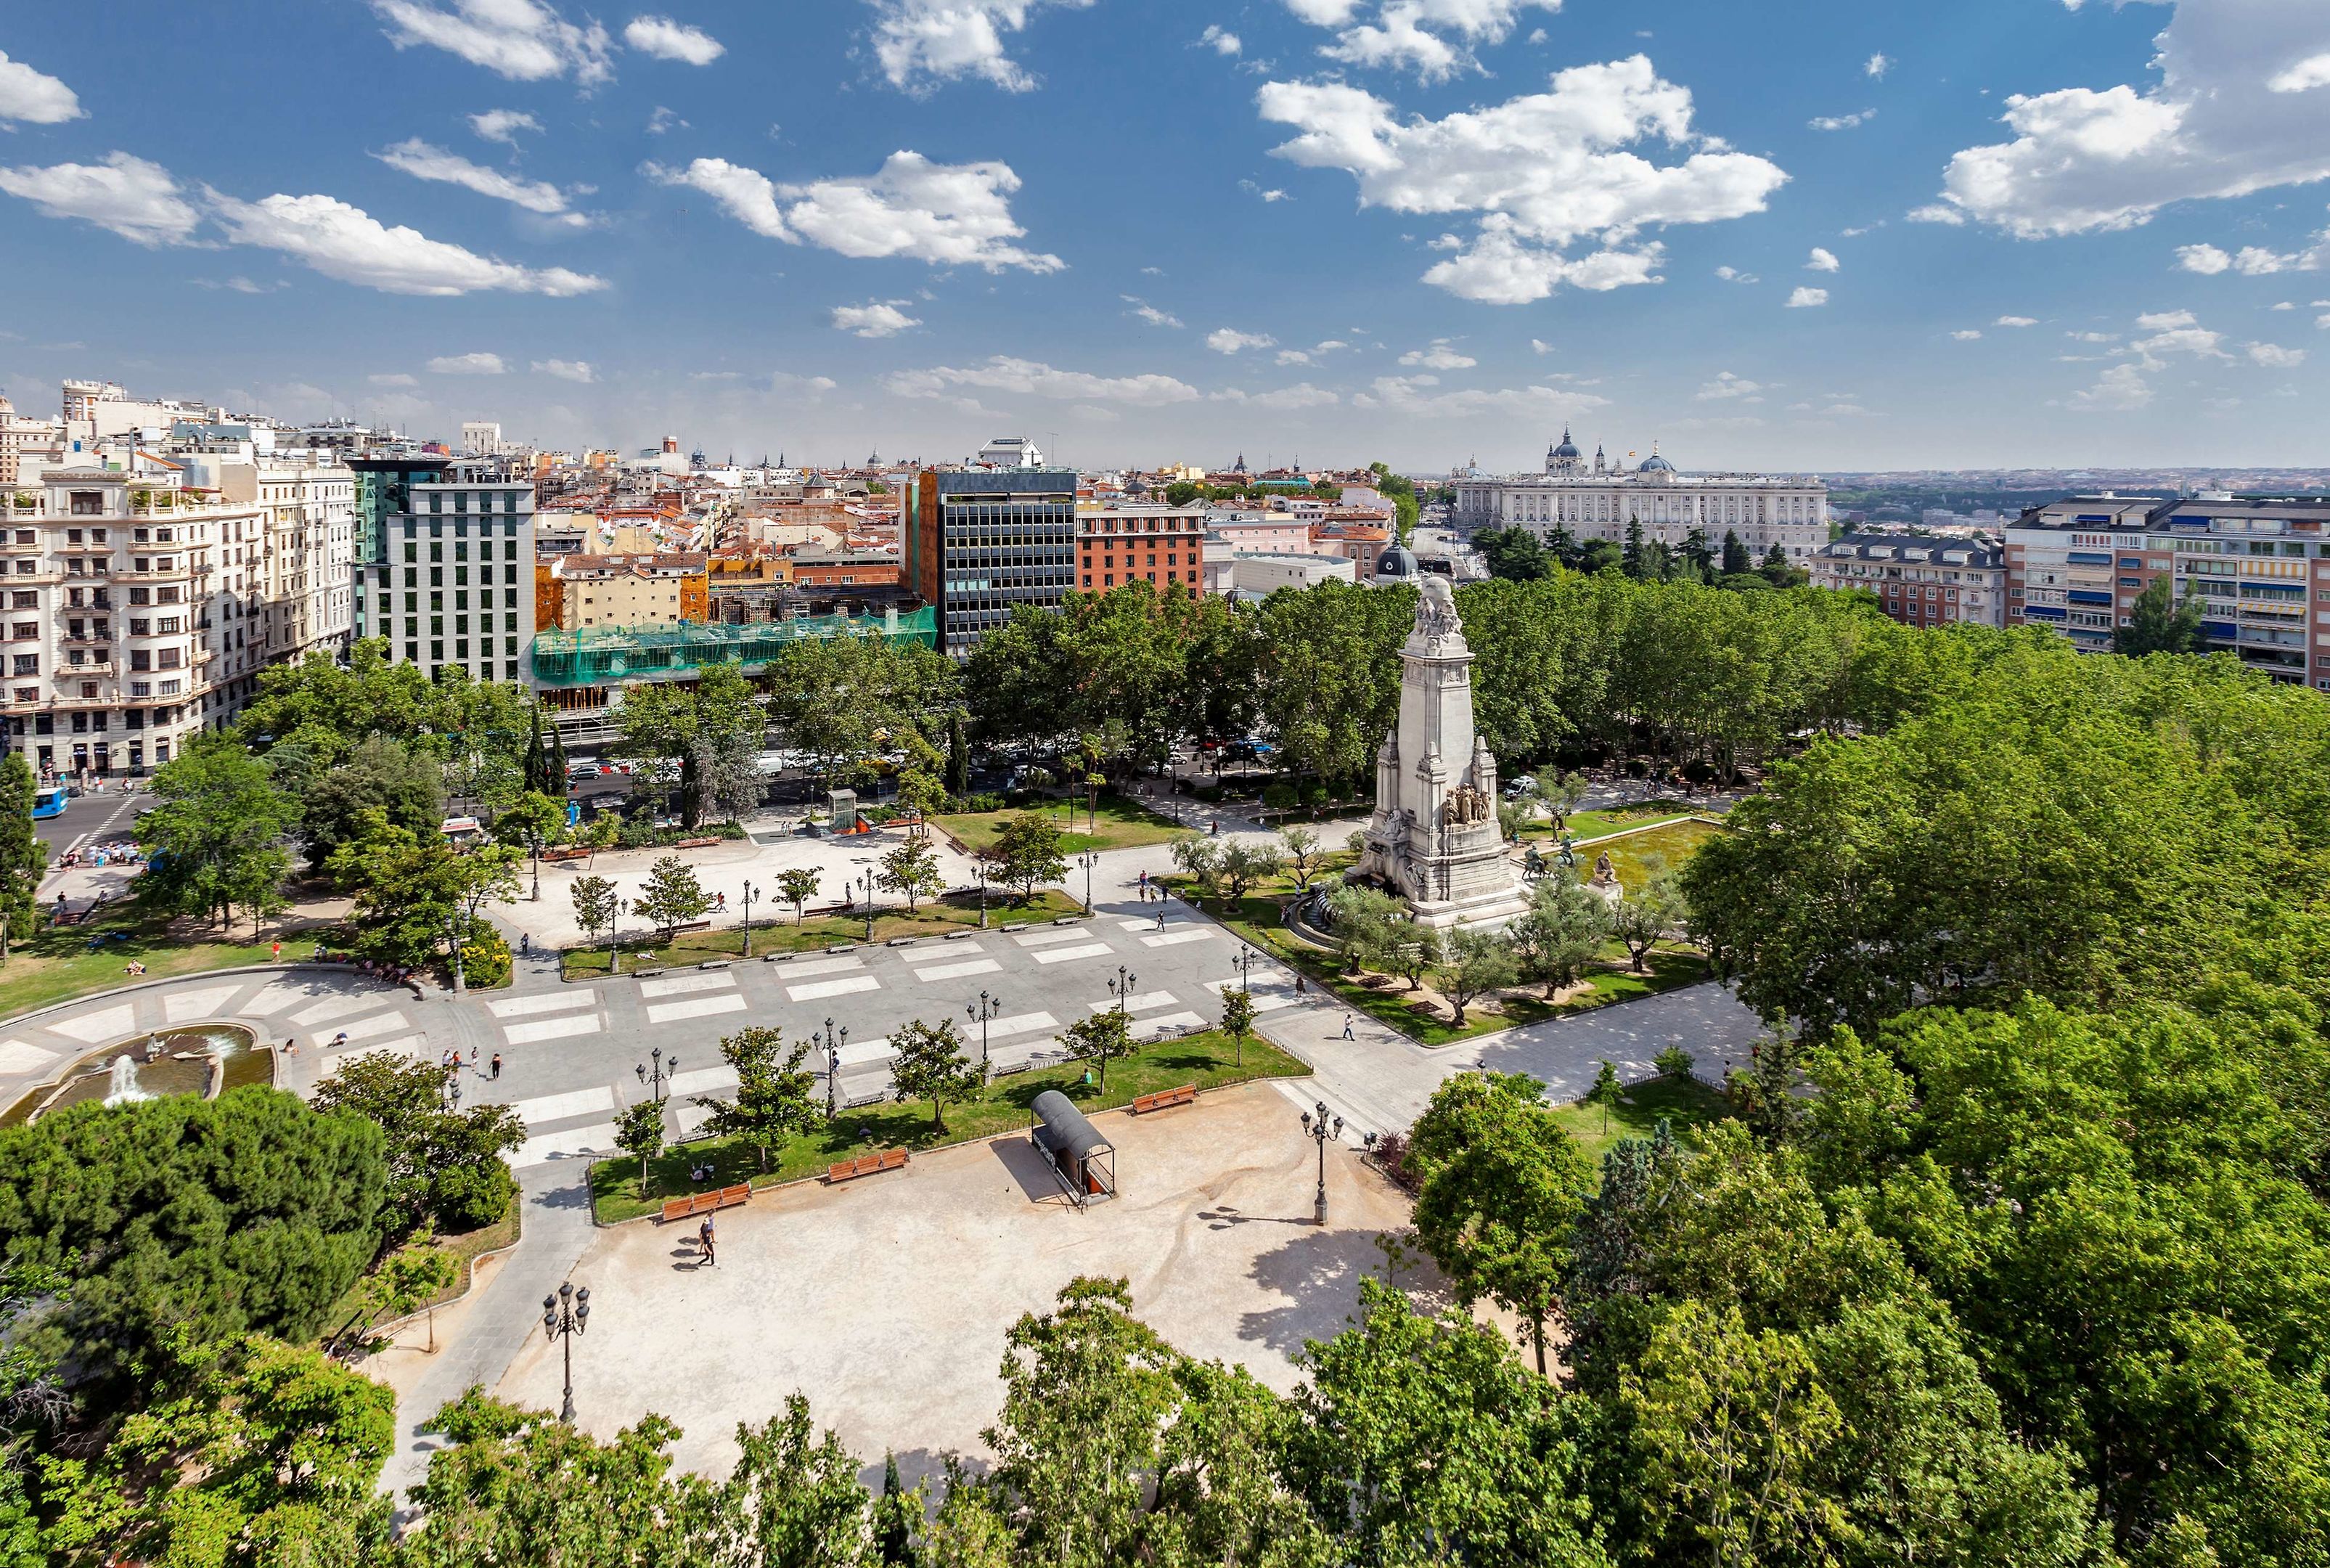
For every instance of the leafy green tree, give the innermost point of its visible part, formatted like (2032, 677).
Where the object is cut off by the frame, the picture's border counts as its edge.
(1559, 936)
(1246, 862)
(215, 843)
(412, 893)
(1634, 560)
(958, 757)
(1099, 1039)
(1736, 562)
(1238, 1020)
(705, 739)
(797, 887)
(250, 1441)
(532, 822)
(410, 1278)
(439, 1163)
(639, 1130)
(793, 1499)
(671, 896)
(1200, 859)
(24, 860)
(1644, 918)
(1606, 1090)
(776, 1096)
(165, 1213)
(597, 906)
(911, 871)
(2158, 624)
(847, 700)
(895, 1513)
(1026, 852)
(1512, 553)
(1503, 1184)
(380, 772)
(1086, 1387)
(1302, 847)
(1777, 571)
(1423, 1440)
(931, 1066)
(1473, 964)
(923, 796)
(1368, 925)
(330, 707)
(1327, 671)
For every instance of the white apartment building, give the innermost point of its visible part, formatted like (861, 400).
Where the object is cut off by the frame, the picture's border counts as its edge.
(1602, 502)
(114, 622)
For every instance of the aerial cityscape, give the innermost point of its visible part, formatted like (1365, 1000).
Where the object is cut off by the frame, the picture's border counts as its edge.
(1071, 784)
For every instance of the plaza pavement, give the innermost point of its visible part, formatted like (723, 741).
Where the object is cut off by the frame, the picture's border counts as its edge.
(569, 1051)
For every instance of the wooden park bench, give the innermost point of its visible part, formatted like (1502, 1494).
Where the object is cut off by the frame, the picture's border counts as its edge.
(696, 1204)
(842, 1171)
(1164, 1099)
(696, 844)
(691, 925)
(567, 852)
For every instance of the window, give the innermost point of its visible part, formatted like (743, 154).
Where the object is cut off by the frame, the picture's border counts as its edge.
(26, 664)
(88, 504)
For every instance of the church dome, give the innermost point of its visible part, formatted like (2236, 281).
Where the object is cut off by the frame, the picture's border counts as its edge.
(1567, 448)
(1655, 464)
(1396, 564)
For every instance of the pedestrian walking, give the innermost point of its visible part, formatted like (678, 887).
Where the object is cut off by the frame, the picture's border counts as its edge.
(1161, 919)
(1347, 1026)
(473, 1059)
(526, 943)
(498, 1066)
(704, 1239)
(275, 950)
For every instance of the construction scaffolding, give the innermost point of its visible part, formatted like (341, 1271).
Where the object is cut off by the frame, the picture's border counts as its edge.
(610, 656)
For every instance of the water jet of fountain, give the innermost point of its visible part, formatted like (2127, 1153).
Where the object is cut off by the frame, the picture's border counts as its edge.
(122, 1082)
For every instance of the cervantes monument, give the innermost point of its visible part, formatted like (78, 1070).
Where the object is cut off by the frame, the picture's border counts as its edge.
(1434, 839)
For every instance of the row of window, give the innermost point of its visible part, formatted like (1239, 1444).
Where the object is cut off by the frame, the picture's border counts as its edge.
(482, 669)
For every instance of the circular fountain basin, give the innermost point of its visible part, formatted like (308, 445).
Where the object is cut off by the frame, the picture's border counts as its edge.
(191, 1059)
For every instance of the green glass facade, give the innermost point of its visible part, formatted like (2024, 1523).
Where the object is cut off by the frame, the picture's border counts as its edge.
(610, 656)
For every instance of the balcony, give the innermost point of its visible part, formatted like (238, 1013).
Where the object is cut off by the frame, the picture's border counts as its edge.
(85, 671)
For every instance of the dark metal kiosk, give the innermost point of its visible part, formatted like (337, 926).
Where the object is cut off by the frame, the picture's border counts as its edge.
(1079, 1156)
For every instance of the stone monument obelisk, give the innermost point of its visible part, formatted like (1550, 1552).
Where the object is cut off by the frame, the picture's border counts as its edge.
(1434, 839)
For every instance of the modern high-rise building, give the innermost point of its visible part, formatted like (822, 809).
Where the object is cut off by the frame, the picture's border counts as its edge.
(2260, 566)
(982, 542)
(445, 564)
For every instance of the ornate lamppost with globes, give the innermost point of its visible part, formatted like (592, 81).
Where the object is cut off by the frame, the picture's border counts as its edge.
(564, 1315)
(1121, 987)
(1088, 861)
(832, 1040)
(1317, 1126)
(751, 892)
(984, 1012)
(666, 1068)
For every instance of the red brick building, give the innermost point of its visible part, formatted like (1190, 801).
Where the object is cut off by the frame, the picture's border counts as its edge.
(1125, 544)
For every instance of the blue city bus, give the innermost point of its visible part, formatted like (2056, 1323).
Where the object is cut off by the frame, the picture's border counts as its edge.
(48, 801)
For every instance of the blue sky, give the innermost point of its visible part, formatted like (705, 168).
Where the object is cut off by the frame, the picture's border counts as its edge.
(1815, 234)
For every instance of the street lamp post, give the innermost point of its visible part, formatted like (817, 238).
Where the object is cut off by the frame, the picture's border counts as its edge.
(1243, 965)
(1121, 987)
(537, 867)
(982, 895)
(750, 892)
(1088, 861)
(984, 1011)
(866, 882)
(664, 1072)
(564, 1315)
(833, 1040)
(1316, 1125)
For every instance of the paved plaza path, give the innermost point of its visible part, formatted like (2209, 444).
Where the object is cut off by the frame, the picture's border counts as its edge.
(569, 1055)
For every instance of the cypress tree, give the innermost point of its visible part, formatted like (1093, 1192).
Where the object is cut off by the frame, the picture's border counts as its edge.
(24, 860)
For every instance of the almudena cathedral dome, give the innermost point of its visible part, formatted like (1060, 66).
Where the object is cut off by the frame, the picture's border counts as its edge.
(1596, 501)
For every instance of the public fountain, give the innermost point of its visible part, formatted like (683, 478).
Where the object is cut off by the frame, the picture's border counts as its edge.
(121, 1083)
(204, 1059)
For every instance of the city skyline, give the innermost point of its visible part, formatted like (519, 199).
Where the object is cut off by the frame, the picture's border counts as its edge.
(2014, 235)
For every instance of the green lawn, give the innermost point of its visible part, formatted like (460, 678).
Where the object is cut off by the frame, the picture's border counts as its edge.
(1210, 1061)
(1673, 844)
(1120, 825)
(1255, 917)
(777, 934)
(57, 964)
(1686, 1102)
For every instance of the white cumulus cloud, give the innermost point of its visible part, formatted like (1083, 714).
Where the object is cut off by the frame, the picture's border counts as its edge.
(2120, 389)
(1805, 298)
(2083, 158)
(2274, 357)
(1300, 395)
(522, 40)
(1541, 171)
(2305, 76)
(1228, 340)
(1439, 357)
(1966, 334)
(1413, 394)
(1727, 387)
(424, 162)
(467, 365)
(392, 378)
(668, 40)
(502, 125)
(1220, 39)
(1030, 378)
(346, 242)
(34, 96)
(2016, 321)
(948, 215)
(1823, 261)
(1841, 121)
(918, 42)
(1878, 64)
(1433, 38)
(1150, 313)
(576, 370)
(882, 318)
(134, 199)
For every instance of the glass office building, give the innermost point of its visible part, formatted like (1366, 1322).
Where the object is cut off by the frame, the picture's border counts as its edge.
(980, 544)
